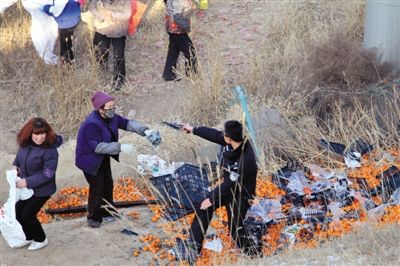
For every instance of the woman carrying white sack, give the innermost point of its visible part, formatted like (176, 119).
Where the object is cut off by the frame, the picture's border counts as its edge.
(36, 163)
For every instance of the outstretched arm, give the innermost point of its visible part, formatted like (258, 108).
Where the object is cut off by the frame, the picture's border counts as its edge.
(210, 134)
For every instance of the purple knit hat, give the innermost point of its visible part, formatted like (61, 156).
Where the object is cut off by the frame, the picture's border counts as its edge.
(100, 98)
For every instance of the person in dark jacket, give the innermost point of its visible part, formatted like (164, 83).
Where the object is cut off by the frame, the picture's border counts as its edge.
(97, 141)
(67, 14)
(177, 23)
(36, 164)
(239, 174)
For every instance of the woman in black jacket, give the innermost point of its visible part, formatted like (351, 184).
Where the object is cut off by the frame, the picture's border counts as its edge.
(36, 164)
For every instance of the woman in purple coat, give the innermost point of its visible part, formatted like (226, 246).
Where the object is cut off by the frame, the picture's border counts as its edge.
(97, 142)
(36, 163)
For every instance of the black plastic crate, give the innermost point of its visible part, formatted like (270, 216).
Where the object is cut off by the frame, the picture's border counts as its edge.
(192, 184)
(390, 181)
(255, 228)
(188, 186)
(333, 146)
(166, 188)
(281, 177)
(361, 146)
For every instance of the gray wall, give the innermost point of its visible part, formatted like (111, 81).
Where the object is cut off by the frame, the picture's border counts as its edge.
(382, 29)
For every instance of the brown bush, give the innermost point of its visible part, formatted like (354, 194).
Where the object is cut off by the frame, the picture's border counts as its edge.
(341, 62)
(338, 70)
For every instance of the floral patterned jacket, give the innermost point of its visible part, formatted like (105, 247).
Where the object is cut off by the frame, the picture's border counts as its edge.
(177, 15)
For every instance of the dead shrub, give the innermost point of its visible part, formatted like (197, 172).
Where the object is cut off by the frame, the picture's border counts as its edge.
(341, 62)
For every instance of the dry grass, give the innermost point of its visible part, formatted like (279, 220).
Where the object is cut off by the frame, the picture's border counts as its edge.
(58, 93)
(368, 245)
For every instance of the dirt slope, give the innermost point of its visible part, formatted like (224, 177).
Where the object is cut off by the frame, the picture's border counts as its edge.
(231, 29)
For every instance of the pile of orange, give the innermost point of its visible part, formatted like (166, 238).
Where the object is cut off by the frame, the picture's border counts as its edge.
(266, 189)
(125, 189)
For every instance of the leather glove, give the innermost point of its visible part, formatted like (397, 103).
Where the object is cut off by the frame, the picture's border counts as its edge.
(127, 148)
(153, 136)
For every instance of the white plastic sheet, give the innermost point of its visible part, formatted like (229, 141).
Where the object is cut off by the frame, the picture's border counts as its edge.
(10, 229)
(214, 245)
(44, 30)
(4, 4)
(297, 182)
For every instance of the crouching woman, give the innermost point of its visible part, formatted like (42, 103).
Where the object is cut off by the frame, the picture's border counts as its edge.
(36, 163)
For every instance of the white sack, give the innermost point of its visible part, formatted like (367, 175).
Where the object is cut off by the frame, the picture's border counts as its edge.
(44, 30)
(10, 229)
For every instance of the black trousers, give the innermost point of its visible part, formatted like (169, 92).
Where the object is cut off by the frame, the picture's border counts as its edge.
(100, 191)
(236, 212)
(102, 46)
(66, 52)
(26, 211)
(179, 43)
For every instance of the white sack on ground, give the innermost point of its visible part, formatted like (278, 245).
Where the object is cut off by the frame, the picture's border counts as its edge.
(4, 4)
(44, 30)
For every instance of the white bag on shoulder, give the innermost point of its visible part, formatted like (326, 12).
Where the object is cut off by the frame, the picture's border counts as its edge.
(10, 229)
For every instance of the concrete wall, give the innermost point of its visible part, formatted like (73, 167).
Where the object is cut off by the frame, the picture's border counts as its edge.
(382, 29)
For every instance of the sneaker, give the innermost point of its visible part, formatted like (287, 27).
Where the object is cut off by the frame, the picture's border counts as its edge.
(93, 223)
(109, 219)
(23, 244)
(172, 79)
(38, 245)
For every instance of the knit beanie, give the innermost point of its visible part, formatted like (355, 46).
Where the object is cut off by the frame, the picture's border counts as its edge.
(100, 98)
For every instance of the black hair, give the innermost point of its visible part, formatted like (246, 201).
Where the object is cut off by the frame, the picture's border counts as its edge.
(234, 130)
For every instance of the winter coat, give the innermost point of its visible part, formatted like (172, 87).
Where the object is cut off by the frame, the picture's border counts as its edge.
(38, 165)
(241, 161)
(177, 15)
(95, 130)
(67, 13)
(111, 17)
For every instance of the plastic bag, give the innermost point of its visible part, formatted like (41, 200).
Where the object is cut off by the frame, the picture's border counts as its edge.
(267, 210)
(202, 4)
(297, 182)
(214, 245)
(44, 30)
(4, 4)
(152, 164)
(10, 229)
(138, 9)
